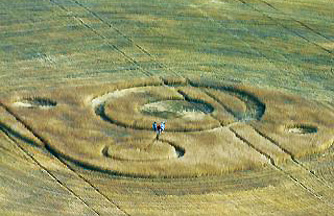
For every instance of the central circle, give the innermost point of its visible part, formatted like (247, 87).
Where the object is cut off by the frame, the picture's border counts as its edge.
(138, 108)
(170, 109)
(187, 108)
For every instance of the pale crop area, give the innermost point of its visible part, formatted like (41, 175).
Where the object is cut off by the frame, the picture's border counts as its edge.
(246, 89)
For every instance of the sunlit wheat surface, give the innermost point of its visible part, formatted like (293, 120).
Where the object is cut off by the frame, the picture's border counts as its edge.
(245, 88)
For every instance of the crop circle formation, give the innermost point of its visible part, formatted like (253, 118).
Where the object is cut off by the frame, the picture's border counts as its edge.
(209, 129)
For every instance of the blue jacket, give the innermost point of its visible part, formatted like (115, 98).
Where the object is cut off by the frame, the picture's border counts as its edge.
(162, 126)
(154, 126)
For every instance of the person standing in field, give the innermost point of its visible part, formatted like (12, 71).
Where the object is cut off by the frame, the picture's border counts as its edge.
(154, 126)
(162, 127)
(159, 129)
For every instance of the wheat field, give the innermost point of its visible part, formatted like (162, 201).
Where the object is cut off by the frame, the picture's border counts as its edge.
(245, 88)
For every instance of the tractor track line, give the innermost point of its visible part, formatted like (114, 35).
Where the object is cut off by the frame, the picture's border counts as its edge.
(141, 48)
(265, 42)
(127, 57)
(292, 157)
(272, 162)
(254, 49)
(49, 149)
(47, 171)
(113, 27)
(288, 29)
(297, 21)
(93, 186)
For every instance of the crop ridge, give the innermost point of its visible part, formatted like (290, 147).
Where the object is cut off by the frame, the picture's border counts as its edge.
(268, 59)
(230, 111)
(270, 159)
(244, 96)
(126, 56)
(272, 162)
(57, 156)
(173, 81)
(262, 53)
(275, 143)
(47, 171)
(300, 22)
(254, 49)
(141, 48)
(288, 29)
(193, 100)
(94, 187)
(292, 157)
(17, 135)
(114, 28)
(178, 150)
(22, 122)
